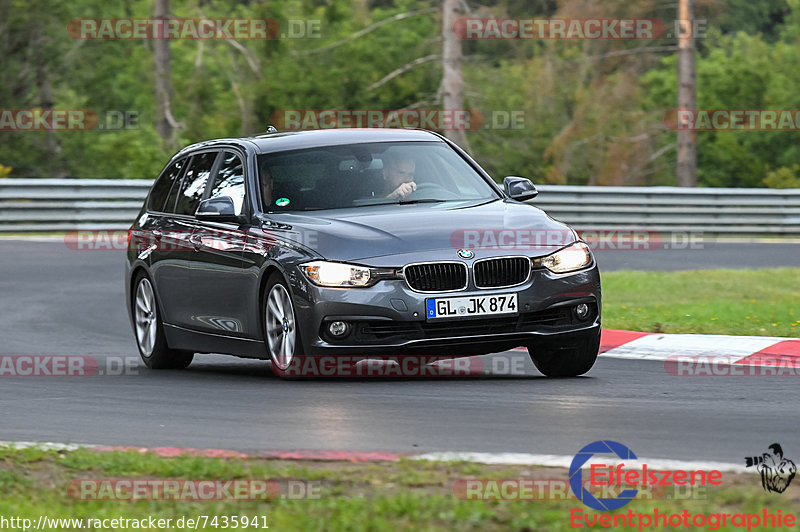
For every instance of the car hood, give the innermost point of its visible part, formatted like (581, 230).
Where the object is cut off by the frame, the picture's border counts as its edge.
(498, 227)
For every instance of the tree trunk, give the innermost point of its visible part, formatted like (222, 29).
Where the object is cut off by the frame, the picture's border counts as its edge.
(46, 101)
(687, 95)
(452, 81)
(250, 125)
(165, 123)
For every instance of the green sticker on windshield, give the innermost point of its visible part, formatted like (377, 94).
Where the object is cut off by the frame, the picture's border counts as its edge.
(282, 202)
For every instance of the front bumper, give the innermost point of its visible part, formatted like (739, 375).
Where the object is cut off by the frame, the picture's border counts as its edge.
(389, 319)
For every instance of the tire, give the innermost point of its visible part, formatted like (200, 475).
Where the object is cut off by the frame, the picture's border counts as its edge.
(569, 358)
(149, 329)
(281, 332)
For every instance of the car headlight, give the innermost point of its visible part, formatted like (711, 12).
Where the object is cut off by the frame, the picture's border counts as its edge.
(340, 275)
(570, 259)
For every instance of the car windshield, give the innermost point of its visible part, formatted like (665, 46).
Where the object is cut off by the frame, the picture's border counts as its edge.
(359, 175)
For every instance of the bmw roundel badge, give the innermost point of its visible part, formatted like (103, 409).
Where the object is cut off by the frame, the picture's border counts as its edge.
(466, 253)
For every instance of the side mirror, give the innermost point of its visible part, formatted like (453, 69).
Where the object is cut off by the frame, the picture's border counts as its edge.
(519, 188)
(219, 209)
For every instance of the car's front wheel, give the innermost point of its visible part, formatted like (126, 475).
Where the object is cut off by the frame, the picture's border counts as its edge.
(280, 326)
(568, 358)
(149, 329)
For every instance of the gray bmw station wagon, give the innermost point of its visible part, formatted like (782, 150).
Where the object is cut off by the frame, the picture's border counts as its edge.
(368, 243)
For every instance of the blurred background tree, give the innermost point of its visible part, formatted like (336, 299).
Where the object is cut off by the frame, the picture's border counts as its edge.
(593, 110)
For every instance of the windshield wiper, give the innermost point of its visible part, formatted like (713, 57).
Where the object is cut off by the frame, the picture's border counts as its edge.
(400, 202)
(424, 200)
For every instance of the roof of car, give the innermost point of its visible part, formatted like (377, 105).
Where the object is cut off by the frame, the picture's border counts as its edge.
(296, 140)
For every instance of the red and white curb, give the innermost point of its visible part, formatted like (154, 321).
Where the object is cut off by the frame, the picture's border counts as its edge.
(744, 350)
(521, 459)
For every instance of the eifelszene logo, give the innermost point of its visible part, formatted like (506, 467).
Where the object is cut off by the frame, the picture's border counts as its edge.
(576, 475)
(776, 471)
(617, 476)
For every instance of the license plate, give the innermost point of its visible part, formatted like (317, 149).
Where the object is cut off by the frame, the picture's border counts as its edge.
(463, 307)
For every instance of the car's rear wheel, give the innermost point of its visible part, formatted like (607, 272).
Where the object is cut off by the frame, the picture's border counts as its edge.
(568, 358)
(280, 326)
(149, 329)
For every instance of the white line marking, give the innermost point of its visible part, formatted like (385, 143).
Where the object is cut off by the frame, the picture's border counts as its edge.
(44, 445)
(548, 460)
(553, 460)
(33, 238)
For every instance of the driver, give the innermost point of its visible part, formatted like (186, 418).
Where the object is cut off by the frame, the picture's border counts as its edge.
(398, 176)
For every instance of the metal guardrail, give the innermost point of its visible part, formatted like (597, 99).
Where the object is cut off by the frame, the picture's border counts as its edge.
(731, 211)
(45, 205)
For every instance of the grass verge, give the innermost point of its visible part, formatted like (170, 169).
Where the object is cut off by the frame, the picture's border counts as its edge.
(740, 302)
(404, 495)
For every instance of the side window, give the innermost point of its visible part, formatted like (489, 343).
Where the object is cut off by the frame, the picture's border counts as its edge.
(169, 206)
(161, 188)
(230, 180)
(194, 183)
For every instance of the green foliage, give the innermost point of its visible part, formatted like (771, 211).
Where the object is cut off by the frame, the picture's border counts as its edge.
(593, 111)
(754, 16)
(738, 302)
(783, 177)
(740, 71)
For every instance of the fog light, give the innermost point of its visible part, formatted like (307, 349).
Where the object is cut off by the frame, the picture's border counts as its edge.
(337, 328)
(582, 311)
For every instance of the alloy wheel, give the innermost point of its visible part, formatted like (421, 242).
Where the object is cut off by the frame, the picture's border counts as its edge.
(145, 317)
(280, 326)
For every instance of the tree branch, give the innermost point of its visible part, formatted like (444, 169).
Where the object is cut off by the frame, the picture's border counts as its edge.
(661, 152)
(252, 61)
(198, 60)
(403, 69)
(618, 53)
(366, 30)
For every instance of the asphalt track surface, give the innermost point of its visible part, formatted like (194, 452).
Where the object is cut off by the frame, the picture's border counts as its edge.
(56, 301)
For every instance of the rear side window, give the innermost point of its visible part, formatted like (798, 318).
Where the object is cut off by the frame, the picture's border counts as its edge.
(194, 183)
(160, 191)
(230, 180)
(169, 206)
